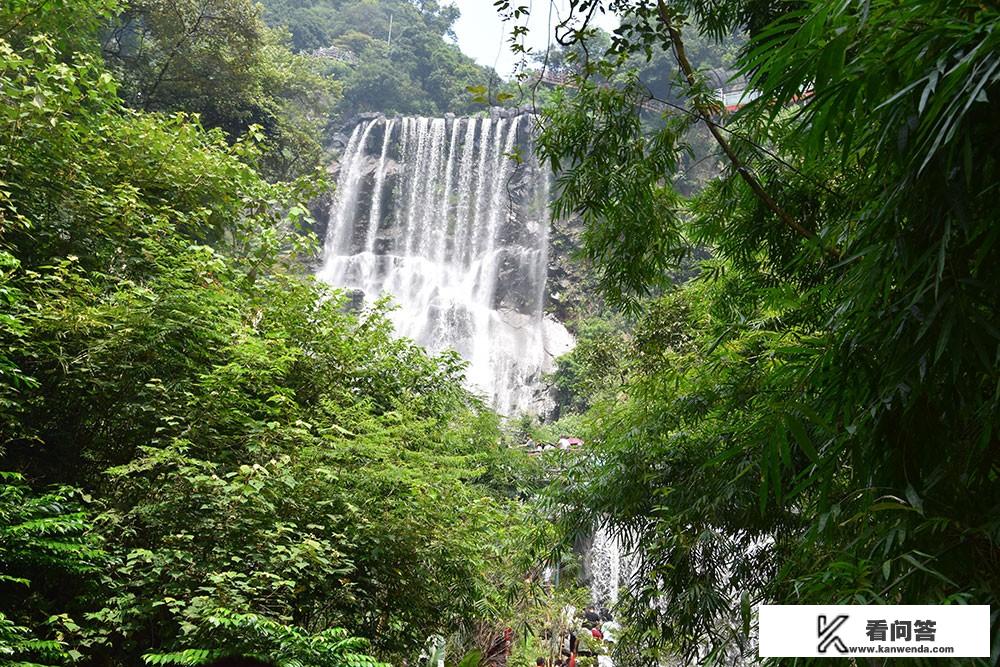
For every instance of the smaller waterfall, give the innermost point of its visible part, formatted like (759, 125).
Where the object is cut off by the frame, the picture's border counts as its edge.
(436, 213)
(611, 565)
(605, 568)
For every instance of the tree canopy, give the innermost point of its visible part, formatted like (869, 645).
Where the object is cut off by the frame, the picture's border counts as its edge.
(813, 418)
(402, 55)
(205, 451)
(787, 389)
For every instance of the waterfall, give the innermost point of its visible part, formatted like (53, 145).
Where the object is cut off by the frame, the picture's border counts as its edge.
(611, 564)
(436, 213)
(605, 567)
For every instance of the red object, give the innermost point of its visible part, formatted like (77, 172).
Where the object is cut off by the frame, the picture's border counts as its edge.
(597, 633)
(572, 660)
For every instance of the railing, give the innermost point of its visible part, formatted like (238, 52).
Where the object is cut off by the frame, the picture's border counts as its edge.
(736, 98)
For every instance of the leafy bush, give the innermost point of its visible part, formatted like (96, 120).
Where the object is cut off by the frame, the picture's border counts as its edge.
(268, 471)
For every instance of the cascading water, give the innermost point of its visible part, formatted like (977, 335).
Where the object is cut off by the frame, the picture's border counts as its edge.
(605, 567)
(437, 213)
(611, 564)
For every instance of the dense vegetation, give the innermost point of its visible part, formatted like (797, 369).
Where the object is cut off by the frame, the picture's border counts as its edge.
(203, 451)
(814, 418)
(402, 59)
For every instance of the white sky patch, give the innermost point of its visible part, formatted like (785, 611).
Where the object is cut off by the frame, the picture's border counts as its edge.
(483, 36)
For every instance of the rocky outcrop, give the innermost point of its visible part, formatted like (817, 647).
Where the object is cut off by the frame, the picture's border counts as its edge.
(571, 290)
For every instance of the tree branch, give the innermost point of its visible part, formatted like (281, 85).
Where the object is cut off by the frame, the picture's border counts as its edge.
(706, 116)
(24, 17)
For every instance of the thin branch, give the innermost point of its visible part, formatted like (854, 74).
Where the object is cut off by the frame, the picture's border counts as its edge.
(741, 168)
(746, 138)
(190, 33)
(24, 17)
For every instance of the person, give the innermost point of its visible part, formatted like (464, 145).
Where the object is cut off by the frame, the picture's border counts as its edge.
(596, 632)
(610, 630)
(591, 614)
(539, 662)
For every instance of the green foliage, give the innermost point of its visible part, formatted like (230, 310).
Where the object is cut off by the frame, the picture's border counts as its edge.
(418, 71)
(44, 538)
(218, 59)
(72, 25)
(12, 329)
(42, 531)
(266, 471)
(809, 422)
(592, 366)
(543, 621)
(471, 659)
(250, 634)
(611, 175)
(16, 643)
(193, 54)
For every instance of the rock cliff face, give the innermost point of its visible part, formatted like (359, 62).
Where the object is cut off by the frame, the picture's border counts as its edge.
(571, 291)
(449, 215)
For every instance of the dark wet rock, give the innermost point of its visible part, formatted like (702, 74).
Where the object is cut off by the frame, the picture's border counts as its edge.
(338, 142)
(359, 118)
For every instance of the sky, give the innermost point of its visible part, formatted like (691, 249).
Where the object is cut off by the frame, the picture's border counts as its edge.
(483, 36)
